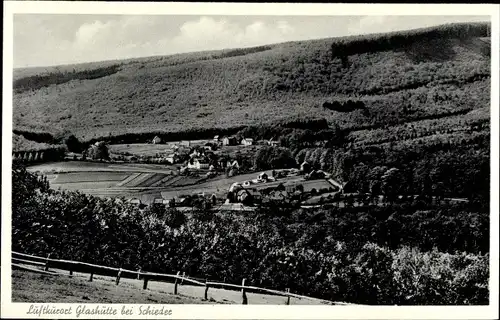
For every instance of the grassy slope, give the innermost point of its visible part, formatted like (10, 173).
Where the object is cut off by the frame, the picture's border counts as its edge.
(33, 287)
(428, 78)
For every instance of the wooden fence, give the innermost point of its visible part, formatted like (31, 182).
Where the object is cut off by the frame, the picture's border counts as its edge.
(20, 259)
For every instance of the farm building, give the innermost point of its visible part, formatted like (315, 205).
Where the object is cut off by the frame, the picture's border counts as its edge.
(198, 164)
(229, 141)
(233, 164)
(195, 154)
(216, 139)
(99, 143)
(172, 158)
(159, 201)
(305, 167)
(135, 202)
(185, 143)
(235, 187)
(243, 196)
(263, 176)
(213, 199)
(156, 140)
(247, 141)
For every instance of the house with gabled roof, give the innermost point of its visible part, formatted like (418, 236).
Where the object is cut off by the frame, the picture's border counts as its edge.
(247, 141)
(156, 140)
(229, 141)
(198, 164)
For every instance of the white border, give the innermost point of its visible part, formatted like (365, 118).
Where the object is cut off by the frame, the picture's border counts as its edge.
(18, 310)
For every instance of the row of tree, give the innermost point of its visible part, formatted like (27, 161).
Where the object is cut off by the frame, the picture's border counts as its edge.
(36, 82)
(401, 39)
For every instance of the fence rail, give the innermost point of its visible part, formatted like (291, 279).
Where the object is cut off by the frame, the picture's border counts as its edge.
(19, 259)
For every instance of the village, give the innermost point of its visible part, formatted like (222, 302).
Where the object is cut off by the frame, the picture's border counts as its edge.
(218, 174)
(251, 189)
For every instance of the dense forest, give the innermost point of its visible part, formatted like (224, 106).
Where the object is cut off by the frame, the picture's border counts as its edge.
(368, 255)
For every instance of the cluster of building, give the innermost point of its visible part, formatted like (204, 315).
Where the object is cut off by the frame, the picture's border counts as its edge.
(232, 141)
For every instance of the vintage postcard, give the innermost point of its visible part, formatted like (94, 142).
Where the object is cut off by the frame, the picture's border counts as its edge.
(249, 161)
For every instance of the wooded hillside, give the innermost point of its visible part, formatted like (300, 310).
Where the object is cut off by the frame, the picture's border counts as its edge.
(397, 78)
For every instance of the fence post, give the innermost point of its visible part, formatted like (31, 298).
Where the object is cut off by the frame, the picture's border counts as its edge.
(243, 293)
(206, 289)
(70, 273)
(47, 263)
(288, 297)
(91, 276)
(138, 274)
(176, 282)
(145, 286)
(118, 276)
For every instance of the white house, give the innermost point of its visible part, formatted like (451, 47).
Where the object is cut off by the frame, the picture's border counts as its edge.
(198, 164)
(233, 164)
(172, 158)
(158, 201)
(235, 187)
(247, 141)
(156, 140)
(137, 202)
(229, 141)
(195, 154)
(263, 176)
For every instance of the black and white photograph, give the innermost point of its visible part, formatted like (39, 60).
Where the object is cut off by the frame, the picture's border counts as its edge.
(158, 159)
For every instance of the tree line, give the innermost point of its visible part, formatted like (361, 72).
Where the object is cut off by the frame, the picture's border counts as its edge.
(390, 41)
(36, 82)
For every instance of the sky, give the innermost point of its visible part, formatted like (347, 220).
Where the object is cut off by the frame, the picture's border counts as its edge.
(55, 39)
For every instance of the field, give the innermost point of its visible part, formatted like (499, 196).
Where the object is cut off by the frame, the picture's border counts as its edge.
(142, 181)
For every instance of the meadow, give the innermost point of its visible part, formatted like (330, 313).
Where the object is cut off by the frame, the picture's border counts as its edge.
(111, 180)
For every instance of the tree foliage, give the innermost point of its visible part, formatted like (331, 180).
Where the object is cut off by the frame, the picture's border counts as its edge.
(381, 255)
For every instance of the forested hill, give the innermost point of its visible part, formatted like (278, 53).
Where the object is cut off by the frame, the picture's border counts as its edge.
(375, 81)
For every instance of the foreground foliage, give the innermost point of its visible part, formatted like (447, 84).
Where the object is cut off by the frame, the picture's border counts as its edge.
(399, 254)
